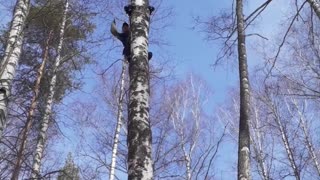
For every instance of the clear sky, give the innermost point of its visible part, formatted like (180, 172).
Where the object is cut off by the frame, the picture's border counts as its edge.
(189, 50)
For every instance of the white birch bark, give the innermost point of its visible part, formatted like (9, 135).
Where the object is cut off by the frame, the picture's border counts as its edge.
(45, 120)
(119, 123)
(11, 57)
(285, 142)
(256, 140)
(303, 124)
(139, 131)
(315, 5)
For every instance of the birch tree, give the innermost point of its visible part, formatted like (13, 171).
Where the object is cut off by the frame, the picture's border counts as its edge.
(11, 57)
(301, 118)
(244, 135)
(120, 120)
(283, 133)
(52, 86)
(139, 130)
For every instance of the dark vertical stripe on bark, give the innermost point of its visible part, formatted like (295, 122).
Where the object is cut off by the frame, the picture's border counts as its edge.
(244, 135)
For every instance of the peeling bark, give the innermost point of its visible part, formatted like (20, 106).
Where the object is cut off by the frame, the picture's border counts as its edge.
(315, 5)
(139, 130)
(10, 60)
(33, 106)
(119, 124)
(45, 120)
(244, 135)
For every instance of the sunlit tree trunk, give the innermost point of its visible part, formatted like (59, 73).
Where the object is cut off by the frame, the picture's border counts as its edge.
(139, 131)
(119, 123)
(244, 135)
(45, 120)
(11, 57)
(33, 106)
(315, 5)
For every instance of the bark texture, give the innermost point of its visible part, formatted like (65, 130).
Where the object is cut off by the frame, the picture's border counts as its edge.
(315, 5)
(119, 123)
(44, 125)
(244, 135)
(139, 130)
(33, 106)
(10, 60)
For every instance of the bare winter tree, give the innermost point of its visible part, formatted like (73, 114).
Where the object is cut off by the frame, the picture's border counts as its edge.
(298, 112)
(139, 130)
(260, 138)
(11, 57)
(186, 104)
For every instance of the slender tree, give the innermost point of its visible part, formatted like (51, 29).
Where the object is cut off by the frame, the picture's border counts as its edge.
(45, 120)
(119, 123)
(139, 131)
(244, 134)
(11, 57)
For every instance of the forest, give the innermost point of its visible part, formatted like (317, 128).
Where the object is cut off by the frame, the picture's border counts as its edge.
(159, 89)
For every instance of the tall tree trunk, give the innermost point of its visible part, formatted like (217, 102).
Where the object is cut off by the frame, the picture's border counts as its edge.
(139, 131)
(11, 57)
(45, 120)
(315, 5)
(33, 106)
(244, 134)
(119, 123)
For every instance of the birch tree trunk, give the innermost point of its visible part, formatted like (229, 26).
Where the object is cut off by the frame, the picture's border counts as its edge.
(139, 131)
(11, 57)
(287, 146)
(284, 138)
(244, 134)
(303, 124)
(256, 140)
(119, 123)
(33, 106)
(45, 120)
(315, 5)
